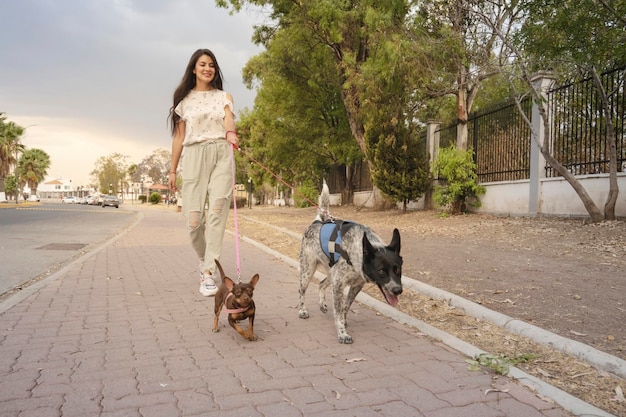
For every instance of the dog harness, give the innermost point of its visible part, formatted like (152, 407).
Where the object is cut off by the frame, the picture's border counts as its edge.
(233, 310)
(330, 240)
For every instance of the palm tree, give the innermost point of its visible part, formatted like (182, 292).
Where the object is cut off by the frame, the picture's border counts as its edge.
(10, 145)
(33, 168)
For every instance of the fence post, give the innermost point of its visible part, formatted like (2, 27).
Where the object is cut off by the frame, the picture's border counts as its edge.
(432, 139)
(432, 147)
(542, 82)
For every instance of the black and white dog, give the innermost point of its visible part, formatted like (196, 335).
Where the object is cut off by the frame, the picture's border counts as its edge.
(351, 255)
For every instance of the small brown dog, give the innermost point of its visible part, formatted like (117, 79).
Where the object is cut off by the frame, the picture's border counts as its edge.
(238, 303)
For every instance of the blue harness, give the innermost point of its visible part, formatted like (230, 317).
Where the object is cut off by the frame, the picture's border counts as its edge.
(330, 240)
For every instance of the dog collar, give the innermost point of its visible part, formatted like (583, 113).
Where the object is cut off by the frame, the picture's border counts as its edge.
(233, 310)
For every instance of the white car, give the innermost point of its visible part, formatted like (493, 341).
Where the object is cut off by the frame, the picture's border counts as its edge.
(70, 200)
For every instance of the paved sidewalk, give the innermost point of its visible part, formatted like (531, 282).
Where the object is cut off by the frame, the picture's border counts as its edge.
(125, 333)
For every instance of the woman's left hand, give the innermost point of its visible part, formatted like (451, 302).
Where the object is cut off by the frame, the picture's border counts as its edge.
(232, 138)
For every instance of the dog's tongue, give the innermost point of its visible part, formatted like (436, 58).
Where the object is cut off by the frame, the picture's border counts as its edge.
(392, 300)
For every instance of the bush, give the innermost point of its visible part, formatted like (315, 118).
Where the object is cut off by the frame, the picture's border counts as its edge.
(155, 198)
(308, 190)
(457, 170)
(143, 198)
(241, 202)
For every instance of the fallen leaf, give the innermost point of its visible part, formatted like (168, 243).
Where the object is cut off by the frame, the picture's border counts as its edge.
(610, 337)
(577, 334)
(487, 391)
(619, 395)
(544, 373)
(355, 360)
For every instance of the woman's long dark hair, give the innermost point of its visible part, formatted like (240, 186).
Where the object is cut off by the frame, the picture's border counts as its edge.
(189, 82)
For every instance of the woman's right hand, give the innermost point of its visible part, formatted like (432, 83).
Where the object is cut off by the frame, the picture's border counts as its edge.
(171, 182)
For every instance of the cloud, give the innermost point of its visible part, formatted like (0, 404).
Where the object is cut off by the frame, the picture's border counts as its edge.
(96, 77)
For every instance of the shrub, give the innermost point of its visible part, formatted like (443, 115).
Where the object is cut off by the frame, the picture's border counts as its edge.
(241, 202)
(143, 198)
(457, 170)
(306, 189)
(155, 198)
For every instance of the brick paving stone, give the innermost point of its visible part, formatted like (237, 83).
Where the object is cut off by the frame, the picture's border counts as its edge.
(124, 332)
(280, 409)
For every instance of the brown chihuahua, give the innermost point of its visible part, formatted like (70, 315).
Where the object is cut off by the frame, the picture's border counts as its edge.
(238, 303)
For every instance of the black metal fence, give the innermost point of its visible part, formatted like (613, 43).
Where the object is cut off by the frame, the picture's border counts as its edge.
(579, 135)
(501, 139)
(495, 135)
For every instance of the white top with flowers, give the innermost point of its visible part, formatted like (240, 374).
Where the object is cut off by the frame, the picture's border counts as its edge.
(203, 113)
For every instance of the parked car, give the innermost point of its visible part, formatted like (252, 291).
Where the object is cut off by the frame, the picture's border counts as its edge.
(69, 200)
(110, 200)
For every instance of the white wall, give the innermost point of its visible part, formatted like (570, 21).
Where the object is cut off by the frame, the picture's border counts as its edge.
(556, 196)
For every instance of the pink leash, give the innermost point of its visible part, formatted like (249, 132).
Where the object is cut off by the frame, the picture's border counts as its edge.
(232, 157)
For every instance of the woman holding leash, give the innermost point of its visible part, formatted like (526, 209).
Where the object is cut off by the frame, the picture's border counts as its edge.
(202, 121)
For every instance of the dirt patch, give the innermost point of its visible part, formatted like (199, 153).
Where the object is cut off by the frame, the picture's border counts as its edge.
(562, 275)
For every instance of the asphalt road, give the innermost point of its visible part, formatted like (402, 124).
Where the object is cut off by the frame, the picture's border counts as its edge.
(37, 240)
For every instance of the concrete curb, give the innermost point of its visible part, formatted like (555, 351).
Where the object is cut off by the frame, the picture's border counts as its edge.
(570, 403)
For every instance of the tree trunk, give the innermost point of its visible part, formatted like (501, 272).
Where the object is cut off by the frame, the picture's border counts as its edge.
(348, 189)
(609, 207)
(461, 109)
(352, 104)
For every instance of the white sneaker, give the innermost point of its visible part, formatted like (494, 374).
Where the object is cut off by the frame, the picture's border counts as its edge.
(207, 285)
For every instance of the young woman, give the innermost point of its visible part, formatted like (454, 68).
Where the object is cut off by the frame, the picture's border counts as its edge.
(203, 124)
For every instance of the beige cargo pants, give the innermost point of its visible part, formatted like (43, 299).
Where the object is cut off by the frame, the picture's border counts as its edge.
(207, 179)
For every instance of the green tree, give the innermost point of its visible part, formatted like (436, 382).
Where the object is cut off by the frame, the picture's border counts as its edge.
(132, 170)
(10, 186)
(298, 127)
(402, 171)
(10, 146)
(33, 167)
(156, 166)
(393, 132)
(348, 33)
(462, 51)
(456, 169)
(109, 172)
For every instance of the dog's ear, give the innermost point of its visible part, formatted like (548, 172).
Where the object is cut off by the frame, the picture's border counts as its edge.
(368, 250)
(395, 242)
(229, 283)
(254, 280)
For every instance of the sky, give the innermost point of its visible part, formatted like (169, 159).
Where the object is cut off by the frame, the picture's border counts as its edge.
(89, 78)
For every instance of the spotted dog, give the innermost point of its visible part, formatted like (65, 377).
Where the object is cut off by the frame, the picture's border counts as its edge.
(351, 254)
